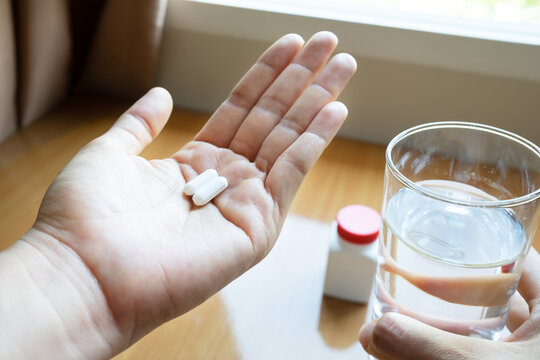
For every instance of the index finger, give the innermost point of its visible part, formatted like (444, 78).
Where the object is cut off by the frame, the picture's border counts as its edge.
(224, 123)
(529, 285)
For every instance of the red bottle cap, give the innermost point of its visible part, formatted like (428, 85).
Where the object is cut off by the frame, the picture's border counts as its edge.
(358, 224)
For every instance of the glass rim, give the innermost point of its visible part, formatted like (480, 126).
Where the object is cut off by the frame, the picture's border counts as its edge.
(516, 201)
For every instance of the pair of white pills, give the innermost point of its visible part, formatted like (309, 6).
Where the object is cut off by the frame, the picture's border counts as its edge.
(205, 187)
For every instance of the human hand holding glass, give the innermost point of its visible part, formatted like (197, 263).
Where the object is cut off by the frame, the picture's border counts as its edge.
(398, 337)
(460, 211)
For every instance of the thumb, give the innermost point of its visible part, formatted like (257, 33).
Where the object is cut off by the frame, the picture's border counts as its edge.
(396, 336)
(142, 122)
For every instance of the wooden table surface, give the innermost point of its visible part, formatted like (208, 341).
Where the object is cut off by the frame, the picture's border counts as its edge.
(276, 310)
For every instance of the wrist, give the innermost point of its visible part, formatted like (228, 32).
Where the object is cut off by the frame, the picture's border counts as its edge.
(51, 305)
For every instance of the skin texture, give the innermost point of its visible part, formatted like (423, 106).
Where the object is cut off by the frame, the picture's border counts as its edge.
(486, 290)
(118, 249)
(396, 336)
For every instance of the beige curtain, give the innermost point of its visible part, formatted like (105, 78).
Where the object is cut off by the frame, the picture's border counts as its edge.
(123, 55)
(8, 72)
(52, 48)
(43, 45)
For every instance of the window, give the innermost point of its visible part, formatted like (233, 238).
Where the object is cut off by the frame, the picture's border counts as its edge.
(428, 65)
(452, 34)
(505, 11)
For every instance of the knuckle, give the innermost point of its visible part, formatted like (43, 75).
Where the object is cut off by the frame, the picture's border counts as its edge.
(387, 334)
(292, 125)
(239, 99)
(296, 164)
(274, 104)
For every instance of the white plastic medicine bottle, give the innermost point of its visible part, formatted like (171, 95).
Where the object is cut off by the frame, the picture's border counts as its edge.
(352, 257)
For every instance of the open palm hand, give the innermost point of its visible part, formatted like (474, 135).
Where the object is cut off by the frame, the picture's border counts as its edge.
(153, 253)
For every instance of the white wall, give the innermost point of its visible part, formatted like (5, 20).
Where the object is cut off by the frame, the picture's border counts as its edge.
(384, 97)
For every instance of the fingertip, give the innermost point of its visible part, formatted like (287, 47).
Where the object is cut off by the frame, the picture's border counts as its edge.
(337, 107)
(294, 38)
(282, 51)
(325, 35)
(329, 120)
(365, 333)
(347, 60)
(331, 117)
(160, 95)
(382, 335)
(158, 89)
(142, 122)
(153, 108)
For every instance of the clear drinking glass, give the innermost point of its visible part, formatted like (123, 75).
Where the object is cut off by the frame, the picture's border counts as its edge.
(460, 211)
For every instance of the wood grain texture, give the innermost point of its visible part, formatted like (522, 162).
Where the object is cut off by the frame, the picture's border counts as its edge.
(283, 325)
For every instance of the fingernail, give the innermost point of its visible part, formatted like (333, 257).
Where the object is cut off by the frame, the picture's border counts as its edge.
(365, 333)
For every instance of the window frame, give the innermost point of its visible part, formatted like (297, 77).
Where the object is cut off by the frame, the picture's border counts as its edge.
(452, 44)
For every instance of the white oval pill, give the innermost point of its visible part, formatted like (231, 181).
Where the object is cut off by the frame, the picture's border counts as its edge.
(199, 181)
(209, 190)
